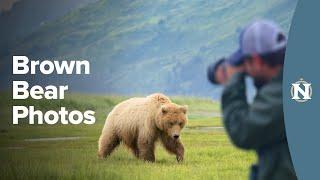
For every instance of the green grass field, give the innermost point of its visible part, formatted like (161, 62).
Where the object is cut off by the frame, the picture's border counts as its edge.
(209, 153)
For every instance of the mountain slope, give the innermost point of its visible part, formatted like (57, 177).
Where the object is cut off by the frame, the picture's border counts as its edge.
(26, 16)
(140, 46)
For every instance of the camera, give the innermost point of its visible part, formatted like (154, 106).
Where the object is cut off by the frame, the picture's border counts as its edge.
(216, 72)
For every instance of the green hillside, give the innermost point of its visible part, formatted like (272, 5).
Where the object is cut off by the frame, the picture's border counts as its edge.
(140, 46)
(26, 16)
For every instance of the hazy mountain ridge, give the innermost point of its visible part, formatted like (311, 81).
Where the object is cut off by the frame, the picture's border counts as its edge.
(138, 47)
(26, 16)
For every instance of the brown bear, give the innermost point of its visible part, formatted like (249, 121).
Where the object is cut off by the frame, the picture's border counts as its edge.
(140, 122)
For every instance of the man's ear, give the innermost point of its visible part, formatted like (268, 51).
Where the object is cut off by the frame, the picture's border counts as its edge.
(184, 109)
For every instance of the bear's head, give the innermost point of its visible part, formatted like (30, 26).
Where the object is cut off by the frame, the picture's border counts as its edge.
(171, 118)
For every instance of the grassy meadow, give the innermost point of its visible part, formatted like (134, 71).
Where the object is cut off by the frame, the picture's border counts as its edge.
(209, 153)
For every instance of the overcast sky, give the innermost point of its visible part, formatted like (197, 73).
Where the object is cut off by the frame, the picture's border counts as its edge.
(5, 5)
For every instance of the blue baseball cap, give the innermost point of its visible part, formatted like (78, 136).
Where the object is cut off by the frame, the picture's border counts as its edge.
(260, 37)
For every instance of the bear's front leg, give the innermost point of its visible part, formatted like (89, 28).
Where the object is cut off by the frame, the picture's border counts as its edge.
(173, 146)
(146, 149)
(180, 152)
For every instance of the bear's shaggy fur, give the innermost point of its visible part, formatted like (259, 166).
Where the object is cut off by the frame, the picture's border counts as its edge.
(140, 122)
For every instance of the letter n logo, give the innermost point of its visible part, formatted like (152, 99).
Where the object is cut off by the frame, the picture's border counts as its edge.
(301, 91)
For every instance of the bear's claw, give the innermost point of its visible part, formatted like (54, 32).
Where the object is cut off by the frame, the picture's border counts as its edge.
(180, 158)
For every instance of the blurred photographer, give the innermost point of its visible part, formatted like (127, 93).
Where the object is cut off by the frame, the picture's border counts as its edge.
(258, 126)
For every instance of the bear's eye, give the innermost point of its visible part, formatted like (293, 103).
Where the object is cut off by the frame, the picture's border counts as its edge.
(171, 123)
(180, 124)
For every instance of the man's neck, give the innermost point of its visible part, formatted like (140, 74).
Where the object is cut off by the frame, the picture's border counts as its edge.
(273, 72)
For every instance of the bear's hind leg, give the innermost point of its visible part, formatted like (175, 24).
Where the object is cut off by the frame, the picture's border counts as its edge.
(107, 143)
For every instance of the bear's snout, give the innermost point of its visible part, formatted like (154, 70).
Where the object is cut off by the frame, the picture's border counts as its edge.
(176, 136)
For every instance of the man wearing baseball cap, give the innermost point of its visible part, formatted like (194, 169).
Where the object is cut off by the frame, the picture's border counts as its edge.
(258, 126)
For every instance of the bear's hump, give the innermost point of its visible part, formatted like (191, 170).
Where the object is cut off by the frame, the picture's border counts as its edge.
(159, 97)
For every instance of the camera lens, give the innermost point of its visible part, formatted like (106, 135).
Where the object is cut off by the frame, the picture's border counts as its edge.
(211, 73)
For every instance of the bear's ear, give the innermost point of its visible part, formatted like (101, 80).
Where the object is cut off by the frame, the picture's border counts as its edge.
(164, 109)
(184, 109)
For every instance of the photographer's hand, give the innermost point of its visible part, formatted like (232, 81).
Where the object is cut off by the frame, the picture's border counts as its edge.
(231, 70)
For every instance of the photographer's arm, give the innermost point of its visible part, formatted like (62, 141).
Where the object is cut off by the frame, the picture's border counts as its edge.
(257, 125)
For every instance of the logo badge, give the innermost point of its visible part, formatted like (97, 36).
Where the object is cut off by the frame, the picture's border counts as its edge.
(301, 91)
